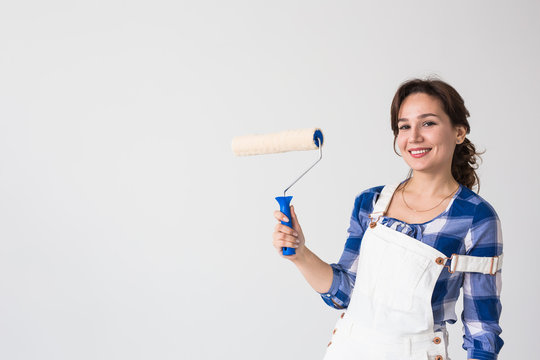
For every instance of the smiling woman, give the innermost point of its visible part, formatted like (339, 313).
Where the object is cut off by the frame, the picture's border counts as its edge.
(407, 257)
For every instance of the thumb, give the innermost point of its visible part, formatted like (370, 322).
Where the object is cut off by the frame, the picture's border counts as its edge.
(294, 219)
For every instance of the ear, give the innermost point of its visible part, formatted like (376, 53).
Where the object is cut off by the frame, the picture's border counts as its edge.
(461, 132)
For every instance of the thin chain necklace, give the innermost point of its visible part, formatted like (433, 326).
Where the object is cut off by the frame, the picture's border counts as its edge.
(403, 197)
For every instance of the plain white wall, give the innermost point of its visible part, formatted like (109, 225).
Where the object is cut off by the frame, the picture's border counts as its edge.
(128, 230)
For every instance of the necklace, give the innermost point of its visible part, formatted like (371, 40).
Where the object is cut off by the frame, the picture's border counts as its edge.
(403, 197)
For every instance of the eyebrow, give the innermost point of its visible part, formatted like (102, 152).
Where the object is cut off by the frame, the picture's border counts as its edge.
(419, 116)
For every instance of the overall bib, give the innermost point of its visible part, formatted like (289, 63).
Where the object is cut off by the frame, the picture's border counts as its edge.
(389, 316)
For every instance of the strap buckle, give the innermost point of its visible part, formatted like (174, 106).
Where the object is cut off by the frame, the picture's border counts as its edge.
(451, 258)
(378, 217)
(496, 266)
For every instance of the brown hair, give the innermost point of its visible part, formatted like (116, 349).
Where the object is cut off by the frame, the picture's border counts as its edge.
(464, 161)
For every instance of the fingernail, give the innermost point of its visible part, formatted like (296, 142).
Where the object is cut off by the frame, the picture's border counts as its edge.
(295, 233)
(285, 219)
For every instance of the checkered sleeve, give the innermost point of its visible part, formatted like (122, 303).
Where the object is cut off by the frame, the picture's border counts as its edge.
(345, 270)
(481, 292)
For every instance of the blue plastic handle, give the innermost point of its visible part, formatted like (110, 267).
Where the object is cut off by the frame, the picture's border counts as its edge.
(285, 208)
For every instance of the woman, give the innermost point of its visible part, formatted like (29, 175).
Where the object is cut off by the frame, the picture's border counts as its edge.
(414, 244)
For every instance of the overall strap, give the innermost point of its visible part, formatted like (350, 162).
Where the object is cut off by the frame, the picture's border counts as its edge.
(383, 201)
(479, 264)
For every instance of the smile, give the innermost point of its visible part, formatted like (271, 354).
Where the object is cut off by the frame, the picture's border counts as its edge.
(419, 153)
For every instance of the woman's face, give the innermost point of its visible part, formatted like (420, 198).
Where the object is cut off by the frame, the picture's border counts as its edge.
(426, 137)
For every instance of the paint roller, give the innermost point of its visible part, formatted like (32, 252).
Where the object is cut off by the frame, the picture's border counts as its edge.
(291, 140)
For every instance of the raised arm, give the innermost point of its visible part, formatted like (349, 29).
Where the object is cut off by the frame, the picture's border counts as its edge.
(334, 282)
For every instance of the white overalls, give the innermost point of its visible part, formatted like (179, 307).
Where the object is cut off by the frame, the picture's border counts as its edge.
(389, 316)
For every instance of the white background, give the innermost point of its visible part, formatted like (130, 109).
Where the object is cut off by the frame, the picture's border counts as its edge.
(128, 230)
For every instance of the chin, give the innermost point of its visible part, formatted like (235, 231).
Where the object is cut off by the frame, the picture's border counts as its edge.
(421, 167)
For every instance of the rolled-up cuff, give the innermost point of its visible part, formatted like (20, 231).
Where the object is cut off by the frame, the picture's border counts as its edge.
(480, 355)
(329, 296)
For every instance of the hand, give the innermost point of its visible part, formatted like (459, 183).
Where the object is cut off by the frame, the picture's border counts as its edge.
(284, 236)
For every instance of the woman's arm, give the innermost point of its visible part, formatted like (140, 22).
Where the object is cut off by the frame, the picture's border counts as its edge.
(317, 272)
(334, 282)
(481, 292)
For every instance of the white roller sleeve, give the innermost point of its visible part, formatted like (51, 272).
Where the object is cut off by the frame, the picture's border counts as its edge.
(485, 265)
(291, 140)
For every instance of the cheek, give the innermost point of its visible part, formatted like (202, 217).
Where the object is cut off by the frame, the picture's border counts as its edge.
(401, 141)
(441, 136)
(443, 139)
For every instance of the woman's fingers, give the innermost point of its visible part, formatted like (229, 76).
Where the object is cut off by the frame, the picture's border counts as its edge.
(281, 244)
(278, 244)
(285, 229)
(280, 216)
(282, 239)
(286, 239)
(285, 236)
(279, 236)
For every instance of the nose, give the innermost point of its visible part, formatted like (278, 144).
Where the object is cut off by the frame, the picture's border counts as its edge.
(415, 135)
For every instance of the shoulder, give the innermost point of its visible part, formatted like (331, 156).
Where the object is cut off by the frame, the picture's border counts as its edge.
(364, 202)
(475, 206)
(485, 237)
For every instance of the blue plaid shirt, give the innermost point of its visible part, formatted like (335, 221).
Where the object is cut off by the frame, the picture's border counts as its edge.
(468, 226)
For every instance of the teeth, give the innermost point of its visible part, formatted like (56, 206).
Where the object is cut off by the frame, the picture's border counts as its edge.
(416, 152)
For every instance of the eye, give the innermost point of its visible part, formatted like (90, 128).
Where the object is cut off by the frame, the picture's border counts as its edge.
(403, 127)
(430, 123)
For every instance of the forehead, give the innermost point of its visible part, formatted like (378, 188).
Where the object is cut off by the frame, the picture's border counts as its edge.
(420, 103)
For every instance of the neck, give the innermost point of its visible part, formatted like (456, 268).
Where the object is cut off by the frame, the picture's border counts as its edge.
(432, 185)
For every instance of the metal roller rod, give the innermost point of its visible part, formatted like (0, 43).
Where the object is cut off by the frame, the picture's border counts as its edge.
(304, 173)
